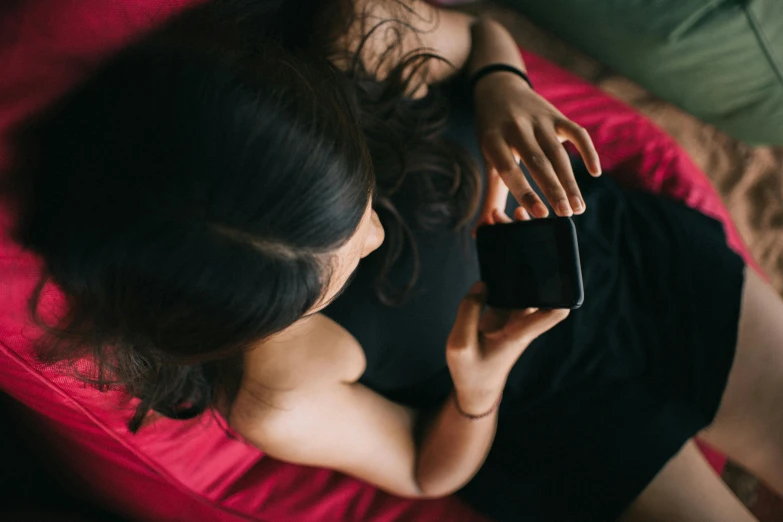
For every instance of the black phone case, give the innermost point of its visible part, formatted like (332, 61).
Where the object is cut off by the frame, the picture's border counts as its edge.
(493, 240)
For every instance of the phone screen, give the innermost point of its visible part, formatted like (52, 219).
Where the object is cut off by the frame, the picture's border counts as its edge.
(531, 264)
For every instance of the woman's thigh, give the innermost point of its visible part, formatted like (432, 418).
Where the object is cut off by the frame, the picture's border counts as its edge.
(687, 489)
(748, 427)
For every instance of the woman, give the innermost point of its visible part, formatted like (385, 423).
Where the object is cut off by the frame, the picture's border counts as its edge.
(204, 199)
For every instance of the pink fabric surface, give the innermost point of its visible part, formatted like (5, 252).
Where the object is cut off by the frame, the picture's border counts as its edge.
(193, 470)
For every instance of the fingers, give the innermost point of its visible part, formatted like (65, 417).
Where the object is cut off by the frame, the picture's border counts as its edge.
(539, 146)
(520, 214)
(494, 319)
(499, 155)
(561, 163)
(529, 326)
(464, 334)
(581, 139)
(541, 168)
(502, 217)
(490, 217)
(495, 198)
(521, 328)
(497, 191)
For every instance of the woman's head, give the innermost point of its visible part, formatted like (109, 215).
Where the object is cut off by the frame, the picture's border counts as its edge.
(191, 201)
(212, 185)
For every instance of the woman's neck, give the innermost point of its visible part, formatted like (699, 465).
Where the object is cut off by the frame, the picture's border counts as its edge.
(294, 331)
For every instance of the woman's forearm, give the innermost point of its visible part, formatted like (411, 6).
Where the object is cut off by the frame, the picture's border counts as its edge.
(486, 42)
(454, 446)
(468, 44)
(465, 42)
(491, 43)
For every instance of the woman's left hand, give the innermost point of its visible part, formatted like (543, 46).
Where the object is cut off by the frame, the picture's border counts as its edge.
(515, 123)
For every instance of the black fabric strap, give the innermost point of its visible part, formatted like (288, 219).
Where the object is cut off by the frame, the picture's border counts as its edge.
(497, 67)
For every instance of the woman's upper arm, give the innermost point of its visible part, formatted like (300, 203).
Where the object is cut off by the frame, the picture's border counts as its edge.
(423, 26)
(341, 426)
(446, 33)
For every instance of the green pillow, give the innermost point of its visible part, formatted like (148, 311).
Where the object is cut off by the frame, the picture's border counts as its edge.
(721, 60)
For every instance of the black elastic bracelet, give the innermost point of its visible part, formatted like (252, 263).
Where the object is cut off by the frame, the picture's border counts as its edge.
(497, 67)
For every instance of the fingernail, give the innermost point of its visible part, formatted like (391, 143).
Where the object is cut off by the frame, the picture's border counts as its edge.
(563, 207)
(577, 204)
(540, 210)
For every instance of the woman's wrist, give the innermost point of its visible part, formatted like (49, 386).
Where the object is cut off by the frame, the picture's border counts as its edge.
(492, 44)
(497, 69)
(476, 404)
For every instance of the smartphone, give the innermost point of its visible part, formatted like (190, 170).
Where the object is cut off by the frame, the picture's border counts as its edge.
(531, 264)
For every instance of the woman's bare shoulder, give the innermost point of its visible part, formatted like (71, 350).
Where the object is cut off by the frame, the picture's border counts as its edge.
(319, 352)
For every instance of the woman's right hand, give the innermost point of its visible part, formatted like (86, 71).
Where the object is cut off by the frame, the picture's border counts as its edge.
(483, 347)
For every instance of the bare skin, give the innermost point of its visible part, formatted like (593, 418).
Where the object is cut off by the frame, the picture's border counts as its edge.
(748, 427)
(293, 384)
(687, 489)
(749, 424)
(304, 380)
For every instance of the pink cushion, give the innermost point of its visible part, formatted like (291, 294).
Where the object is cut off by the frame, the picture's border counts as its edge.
(193, 470)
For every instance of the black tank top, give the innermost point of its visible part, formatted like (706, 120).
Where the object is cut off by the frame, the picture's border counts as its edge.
(405, 346)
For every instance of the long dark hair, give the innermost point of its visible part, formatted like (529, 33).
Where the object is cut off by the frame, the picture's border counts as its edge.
(187, 196)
